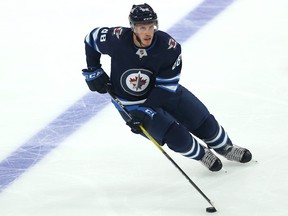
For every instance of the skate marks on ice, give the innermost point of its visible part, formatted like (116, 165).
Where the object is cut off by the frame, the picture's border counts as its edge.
(74, 117)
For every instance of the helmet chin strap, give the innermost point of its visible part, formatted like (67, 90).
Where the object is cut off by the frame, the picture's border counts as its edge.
(138, 39)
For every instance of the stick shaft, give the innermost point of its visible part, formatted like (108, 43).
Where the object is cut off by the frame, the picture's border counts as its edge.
(116, 100)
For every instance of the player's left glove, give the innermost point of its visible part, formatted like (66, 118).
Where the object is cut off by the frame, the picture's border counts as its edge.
(138, 117)
(96, 79)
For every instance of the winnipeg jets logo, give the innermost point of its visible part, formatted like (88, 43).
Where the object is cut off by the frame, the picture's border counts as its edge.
(136, 81)
(117, 32)
(144, 9)
(141, 8)
(172, 44)
(141, 53)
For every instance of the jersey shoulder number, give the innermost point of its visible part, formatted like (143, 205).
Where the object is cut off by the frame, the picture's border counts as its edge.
(116, 32)
(103, 34)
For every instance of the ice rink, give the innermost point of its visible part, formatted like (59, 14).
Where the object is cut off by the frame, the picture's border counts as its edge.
(66, 151)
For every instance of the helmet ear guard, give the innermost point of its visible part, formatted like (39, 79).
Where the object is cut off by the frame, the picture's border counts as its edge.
(142, 14)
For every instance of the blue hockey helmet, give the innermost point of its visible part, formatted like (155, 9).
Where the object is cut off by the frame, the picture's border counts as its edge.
(142, 14)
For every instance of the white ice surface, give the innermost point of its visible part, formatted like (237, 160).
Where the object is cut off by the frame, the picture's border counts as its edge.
(237, 65)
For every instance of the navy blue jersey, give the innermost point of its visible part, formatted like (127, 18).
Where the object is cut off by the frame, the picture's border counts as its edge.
(137, 75)
(146, 81)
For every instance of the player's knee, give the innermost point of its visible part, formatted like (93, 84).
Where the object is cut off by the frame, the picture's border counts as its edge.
(207, 129)
(178, 138)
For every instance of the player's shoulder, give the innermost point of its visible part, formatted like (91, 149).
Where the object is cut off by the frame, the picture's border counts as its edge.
(120, 31)
(111, 32)
(116, 33)
(167, 41)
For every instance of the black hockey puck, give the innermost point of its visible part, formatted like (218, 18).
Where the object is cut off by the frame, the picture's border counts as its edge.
(211, 209)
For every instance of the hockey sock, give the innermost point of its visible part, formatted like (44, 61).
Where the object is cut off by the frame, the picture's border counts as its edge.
(213, 134)
(219, 141)
(180, 140)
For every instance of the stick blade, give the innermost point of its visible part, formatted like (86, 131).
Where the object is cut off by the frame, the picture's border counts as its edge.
(211, 209)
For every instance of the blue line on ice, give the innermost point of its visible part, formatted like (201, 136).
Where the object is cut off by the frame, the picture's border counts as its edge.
(88, 106)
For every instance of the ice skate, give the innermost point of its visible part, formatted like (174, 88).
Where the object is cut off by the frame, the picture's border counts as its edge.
(236, 153)
(211, 161)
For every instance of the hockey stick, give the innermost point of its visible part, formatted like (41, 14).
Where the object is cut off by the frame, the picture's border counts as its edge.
(116, 100)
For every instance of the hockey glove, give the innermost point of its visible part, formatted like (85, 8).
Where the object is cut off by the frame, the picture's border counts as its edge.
(96, 79)
(134, 124)
(138, 116)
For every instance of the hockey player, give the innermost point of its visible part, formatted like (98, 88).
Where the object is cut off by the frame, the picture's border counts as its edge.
(145, 71)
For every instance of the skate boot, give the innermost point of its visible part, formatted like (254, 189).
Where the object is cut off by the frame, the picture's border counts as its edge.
(211, 161)
(236, 153)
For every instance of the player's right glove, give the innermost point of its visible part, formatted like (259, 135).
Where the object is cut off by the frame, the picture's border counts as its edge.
(134, 124)
(96, 79)
(138, 116)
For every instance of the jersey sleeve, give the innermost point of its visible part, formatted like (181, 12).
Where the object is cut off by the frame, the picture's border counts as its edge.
(97, 43)
(167, 80)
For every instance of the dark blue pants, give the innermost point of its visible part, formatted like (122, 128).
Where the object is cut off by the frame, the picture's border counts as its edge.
(184, 114)
(184, 108)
